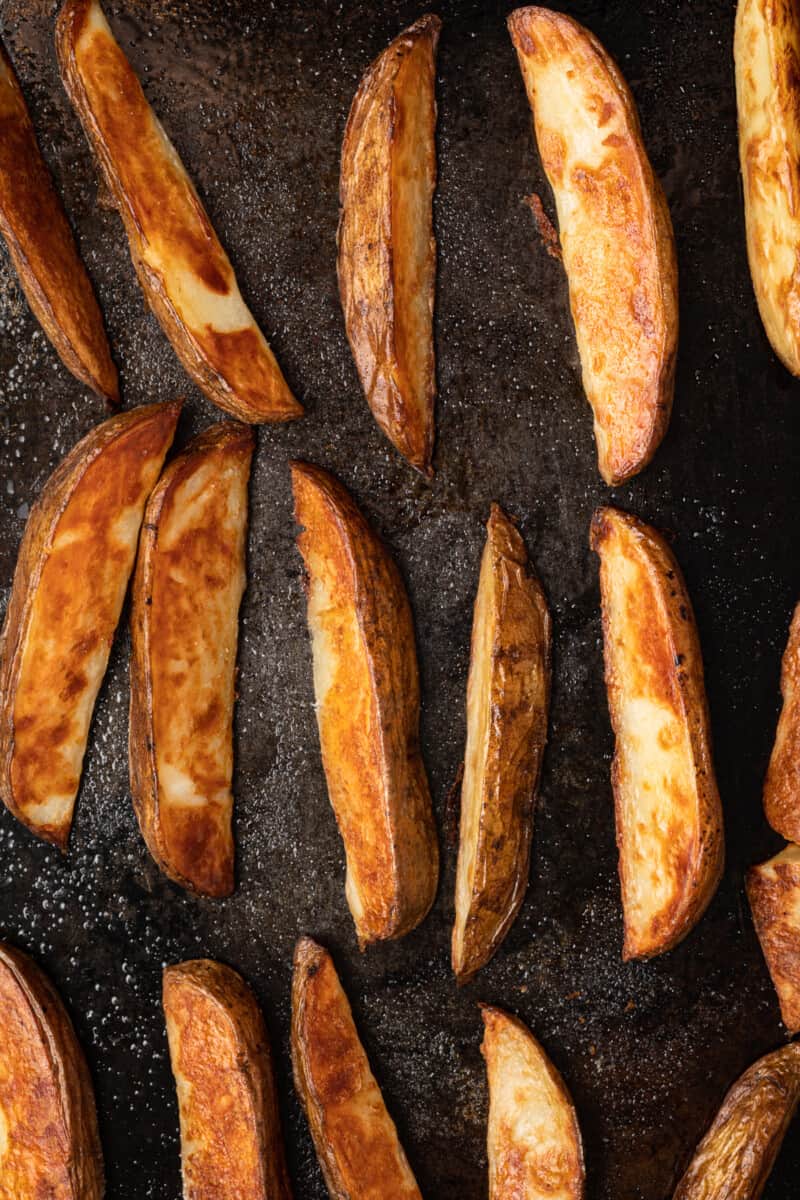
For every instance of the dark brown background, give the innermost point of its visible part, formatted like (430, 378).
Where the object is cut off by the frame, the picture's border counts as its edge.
(255, 96)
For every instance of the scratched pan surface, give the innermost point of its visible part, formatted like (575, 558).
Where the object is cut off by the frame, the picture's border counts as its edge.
(255, 96)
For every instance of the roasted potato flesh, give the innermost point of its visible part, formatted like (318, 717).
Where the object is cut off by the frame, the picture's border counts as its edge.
(773, 889)
(668, 813)
(507, 701)
(387, 252)
(49, 1144)
(231, 1141)
(184, 272)
(615, 231)
(355, 1138)
(782, 784)
(43, 250)
(367, 697)
(534, 1142)
(71, 577)
(734, 1159)
(189, 581)
(767, 54)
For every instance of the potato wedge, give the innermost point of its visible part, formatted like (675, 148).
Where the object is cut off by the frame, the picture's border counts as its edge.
(615, 230)
(49, 1144)
(508, 695)
(766, 50)
(355, 1138)
(668, 813)
(184, 272)
(43, 250)
(367, 695)
(734, 1159)
(231, 1140)
(71, 577)
(387, 251)
(782, 784)
(533, 1140)
(773, 889)
(188, 585)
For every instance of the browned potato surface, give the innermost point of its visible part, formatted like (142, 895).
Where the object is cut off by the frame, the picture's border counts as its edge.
(367, 696)
(507, 701)
(387, 252)
(773, 889)
(185, 274)
(668, 813)
(71, 577)
(189, 581)
(615, 231)
(43, 250)
(782, 784)
(767, 54)
(49, 1144)
(533, 1140)
(355, 1138)
(231, 1141)
(734, 1159)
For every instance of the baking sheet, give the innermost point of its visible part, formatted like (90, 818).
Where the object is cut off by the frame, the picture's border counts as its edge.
(255, 96)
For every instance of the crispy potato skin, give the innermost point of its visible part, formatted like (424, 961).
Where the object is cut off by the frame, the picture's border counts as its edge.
(533, 1140)
(231, 1141)
(69, 585)
(615, 230)
(782, 783)
(773, 889)
(49, 1144)
(367, 694)
(767, 55)
(185, 274)
(734, 1159)
(507, 703)
(668, 812)
(387, 251)
(43, 250)
(188, 585)
(355, 1138)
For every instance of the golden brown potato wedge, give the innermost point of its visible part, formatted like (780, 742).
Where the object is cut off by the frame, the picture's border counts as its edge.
(185, 274)
(773, 889)
(508, 694)
(766, 50)
(367, 694)
(189, 581)
(782, 784)
(534, 1142)
(43, 250)
(231, 1141)
(387, 252)
(734, 1159)
(355, 1138)
(615, 230)
(668, 813)
(71, 577)
(49, 1144)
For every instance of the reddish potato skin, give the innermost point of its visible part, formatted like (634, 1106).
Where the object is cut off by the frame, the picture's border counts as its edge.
(782, 784)
(773, 889)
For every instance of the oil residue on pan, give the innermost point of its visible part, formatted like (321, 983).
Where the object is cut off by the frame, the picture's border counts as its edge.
(255, 97)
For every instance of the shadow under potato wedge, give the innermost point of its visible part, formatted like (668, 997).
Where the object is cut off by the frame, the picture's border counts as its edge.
(43, 249)
(231, 1139)
(184, 272)
(668, 812)
(355, 1138)
(49, 1143)
(615, 231)
(782, 783)
(773, 889)
(72, 573)
(508, 696)
(366, 687)
(387, 251)
(187, 588)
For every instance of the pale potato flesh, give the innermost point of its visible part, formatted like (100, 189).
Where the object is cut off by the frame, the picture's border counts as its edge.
(533, 1138)
(773, 889)
(767, 56)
